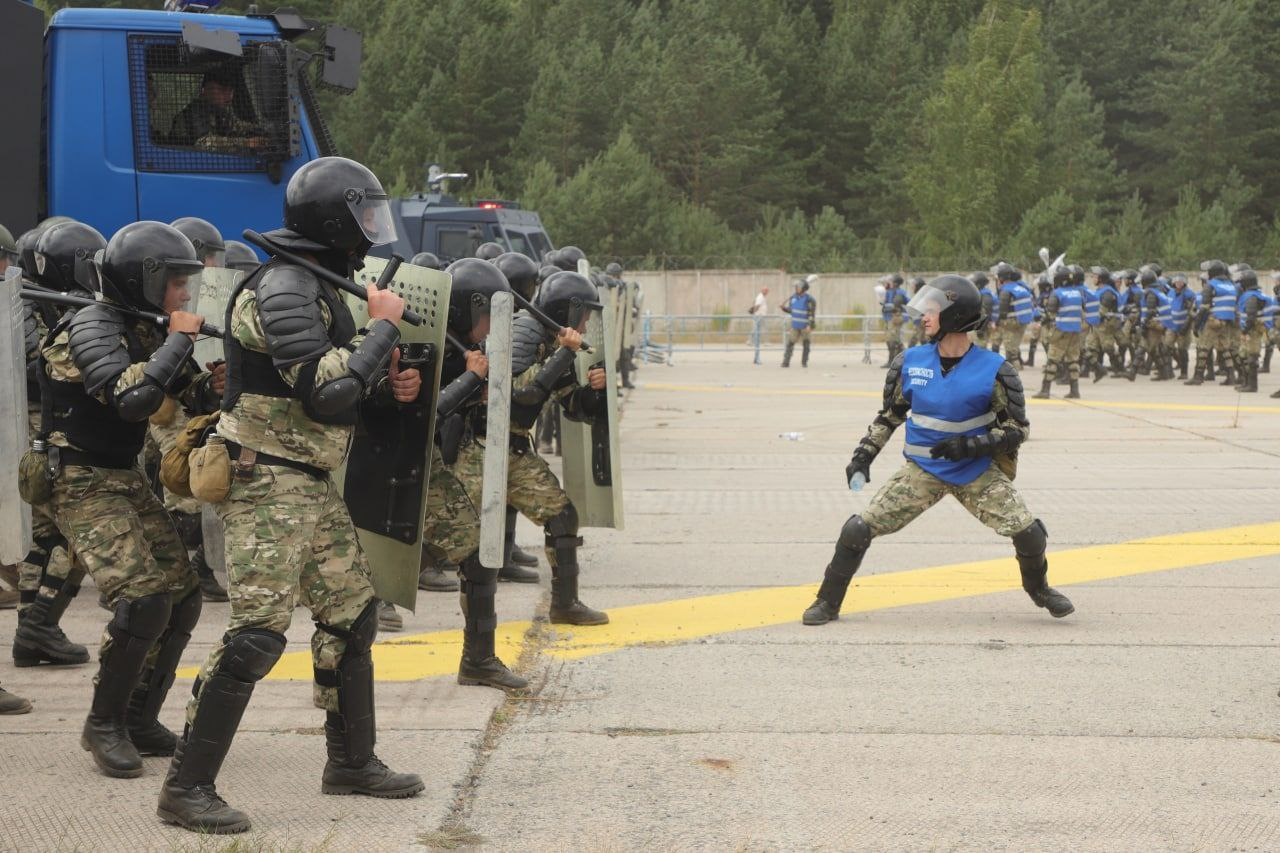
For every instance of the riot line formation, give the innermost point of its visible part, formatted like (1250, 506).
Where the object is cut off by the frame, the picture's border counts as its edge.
(158, 438)
(1121, 325)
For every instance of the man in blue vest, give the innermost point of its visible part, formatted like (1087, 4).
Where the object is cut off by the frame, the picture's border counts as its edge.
(1251, 314)
(1177, 335)
(1037, 329)
(1016, 311)
(892, 312)
(1218, 309)
(1272, 332)
(1089, 362)
(1064, 313)
(966, 417)
(1157, 312)
(803, 309)
(990, 310)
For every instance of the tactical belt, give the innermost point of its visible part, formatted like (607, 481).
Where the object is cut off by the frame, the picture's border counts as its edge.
(236, 451)
(69, 456)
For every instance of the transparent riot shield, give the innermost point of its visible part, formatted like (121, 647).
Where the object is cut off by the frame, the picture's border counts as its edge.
(493, 490)
(384, 480)
(15, 515)
(592, 452)
(210, 292)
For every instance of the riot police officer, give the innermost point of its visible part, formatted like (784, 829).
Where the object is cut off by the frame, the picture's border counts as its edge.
(204, 235)
(1064, 314)
(962, 439)
(426, 260)
(241, 258)
(986, 335)
(892, 311)
(1177, 336)
(1016, 311)
(297, 369)
(1251, 314)
(803, 309)
(1158, 314)
(1218, 313)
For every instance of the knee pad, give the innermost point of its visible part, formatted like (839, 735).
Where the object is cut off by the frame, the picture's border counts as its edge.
(855, 534)
(363, 630)
(186, 613)
(564, 524)
(249, 654)
(142, 618)
(1031, 542)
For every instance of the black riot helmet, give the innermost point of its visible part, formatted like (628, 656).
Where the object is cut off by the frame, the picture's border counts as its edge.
(1178, 279)
(474, 284)
(241, 257)
(26, 249)
(1005, 271)
(567, 297)
(1077, 274)
(340, 204)
(205, 237)
(916, 282)
(8, 246)
(489, 251)
(64, 253)
(1062, 276)
(426, 259)
(1248, 279)
(520, 271)
(567, 258)
(1103, 274)
(614, 270)
(142, 258)
(1147, 276)
(956, 301)
(896, 280)
(979, 279)
(1127, 275)
(1156, 268)
(546, 271)
(1215, 269)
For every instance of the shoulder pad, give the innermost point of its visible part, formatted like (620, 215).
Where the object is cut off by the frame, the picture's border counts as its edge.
(527, 336)
(289, 308)
(1012, 384)
(892, 378)
(94, 338)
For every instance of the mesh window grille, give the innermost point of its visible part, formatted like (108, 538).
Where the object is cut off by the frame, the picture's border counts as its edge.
(223, 114)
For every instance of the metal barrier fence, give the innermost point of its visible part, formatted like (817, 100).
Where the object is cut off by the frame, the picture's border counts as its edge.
(664, 335)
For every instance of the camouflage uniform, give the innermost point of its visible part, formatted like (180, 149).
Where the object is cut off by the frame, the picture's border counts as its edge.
(911, 490)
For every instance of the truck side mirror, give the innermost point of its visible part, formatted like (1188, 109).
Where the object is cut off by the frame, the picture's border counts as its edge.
(343, 50)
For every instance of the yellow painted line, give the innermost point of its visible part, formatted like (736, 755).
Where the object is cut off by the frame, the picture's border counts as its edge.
(1091, 404)
(425, 655)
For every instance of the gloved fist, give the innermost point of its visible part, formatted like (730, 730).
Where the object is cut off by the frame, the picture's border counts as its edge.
(961, 447)
(860, 462)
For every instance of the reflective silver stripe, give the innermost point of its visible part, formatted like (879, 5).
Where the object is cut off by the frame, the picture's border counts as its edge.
(1022, 302)
(917, 450)
(939, 425)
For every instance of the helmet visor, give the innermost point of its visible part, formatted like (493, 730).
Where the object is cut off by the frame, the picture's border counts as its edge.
(927, 300)
(372, 212)
(157, 273)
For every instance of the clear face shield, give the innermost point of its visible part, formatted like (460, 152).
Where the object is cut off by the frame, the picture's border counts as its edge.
(372, 211)
(212, 254)
(927, 300)
(157, 273)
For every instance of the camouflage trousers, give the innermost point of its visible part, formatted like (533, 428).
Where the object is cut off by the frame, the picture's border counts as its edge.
(1064, 354)
(794, 335)
(1011, 332)
(1177, 342)
(1219, 335)
(991, 498)
(47, 565)
(1034, 331)
(163, 433)
(117, 529)
(289, 540)
(1153, 342)
(1251, 342)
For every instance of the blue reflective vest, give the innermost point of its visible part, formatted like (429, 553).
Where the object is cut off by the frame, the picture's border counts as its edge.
(1106, 288)
(1269, 308)
(890, 295)
(1070, 309)
(800, 307)
(1135, 298)
(1164, 310)
(1242, 307)
(1181, 303)
(1021, 299)
(946, 406)
(1092, 307)
(1224, 300)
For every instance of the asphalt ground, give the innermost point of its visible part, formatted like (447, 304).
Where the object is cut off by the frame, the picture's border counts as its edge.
(942, 711)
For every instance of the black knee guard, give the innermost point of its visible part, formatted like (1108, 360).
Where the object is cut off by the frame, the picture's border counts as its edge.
(247, 656)
(354, 681)
(852, 544)
(152, 691)
(562, 540)
(134, 628)
(1029, 544)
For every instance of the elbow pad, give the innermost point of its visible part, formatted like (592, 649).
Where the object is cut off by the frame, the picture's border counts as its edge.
(374, 351)
(94, 339)
(456, 393)
(537, 392)
(141, 401)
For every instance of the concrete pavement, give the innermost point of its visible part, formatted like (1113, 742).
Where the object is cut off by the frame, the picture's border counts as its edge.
(1147, 720)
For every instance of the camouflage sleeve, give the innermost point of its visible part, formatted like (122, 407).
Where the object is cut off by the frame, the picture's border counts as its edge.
(893, 414)
(1006, 303)
(1051, 308)
(246, 327)
(1009, 405)
(61, 366)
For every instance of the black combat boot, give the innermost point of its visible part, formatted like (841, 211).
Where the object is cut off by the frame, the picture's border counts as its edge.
(480, 664)
(12, 703)
(521, 557)
(149, 735)
(804, 352)
(561, 536)
(1031, 354)
(1229, 378)
(1045, 384)
(189, 796)
(1266, 359)
(1183, 359)
(352, 767)
(1249, 377)
(510, 572)
(1074, 393)
(1029, 547)
(436, 573)
(39, 639)
(851, 546)
(1209, 373)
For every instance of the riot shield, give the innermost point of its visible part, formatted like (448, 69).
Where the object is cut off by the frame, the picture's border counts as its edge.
(210, 292)
(214, 541)
(493, 490)
(384, 480)
(592, 452)
(631, 318)
(15, 515)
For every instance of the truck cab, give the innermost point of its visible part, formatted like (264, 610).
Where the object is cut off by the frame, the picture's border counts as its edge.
(158, 115)
(438, 223)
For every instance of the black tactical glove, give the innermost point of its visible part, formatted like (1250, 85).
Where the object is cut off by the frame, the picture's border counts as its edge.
(861, 462)
(964, 447)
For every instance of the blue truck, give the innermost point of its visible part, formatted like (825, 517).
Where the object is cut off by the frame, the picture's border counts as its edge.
(116, 115)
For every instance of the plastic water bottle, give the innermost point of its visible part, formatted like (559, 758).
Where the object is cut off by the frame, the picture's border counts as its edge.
(857, 481)
(792, 436)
